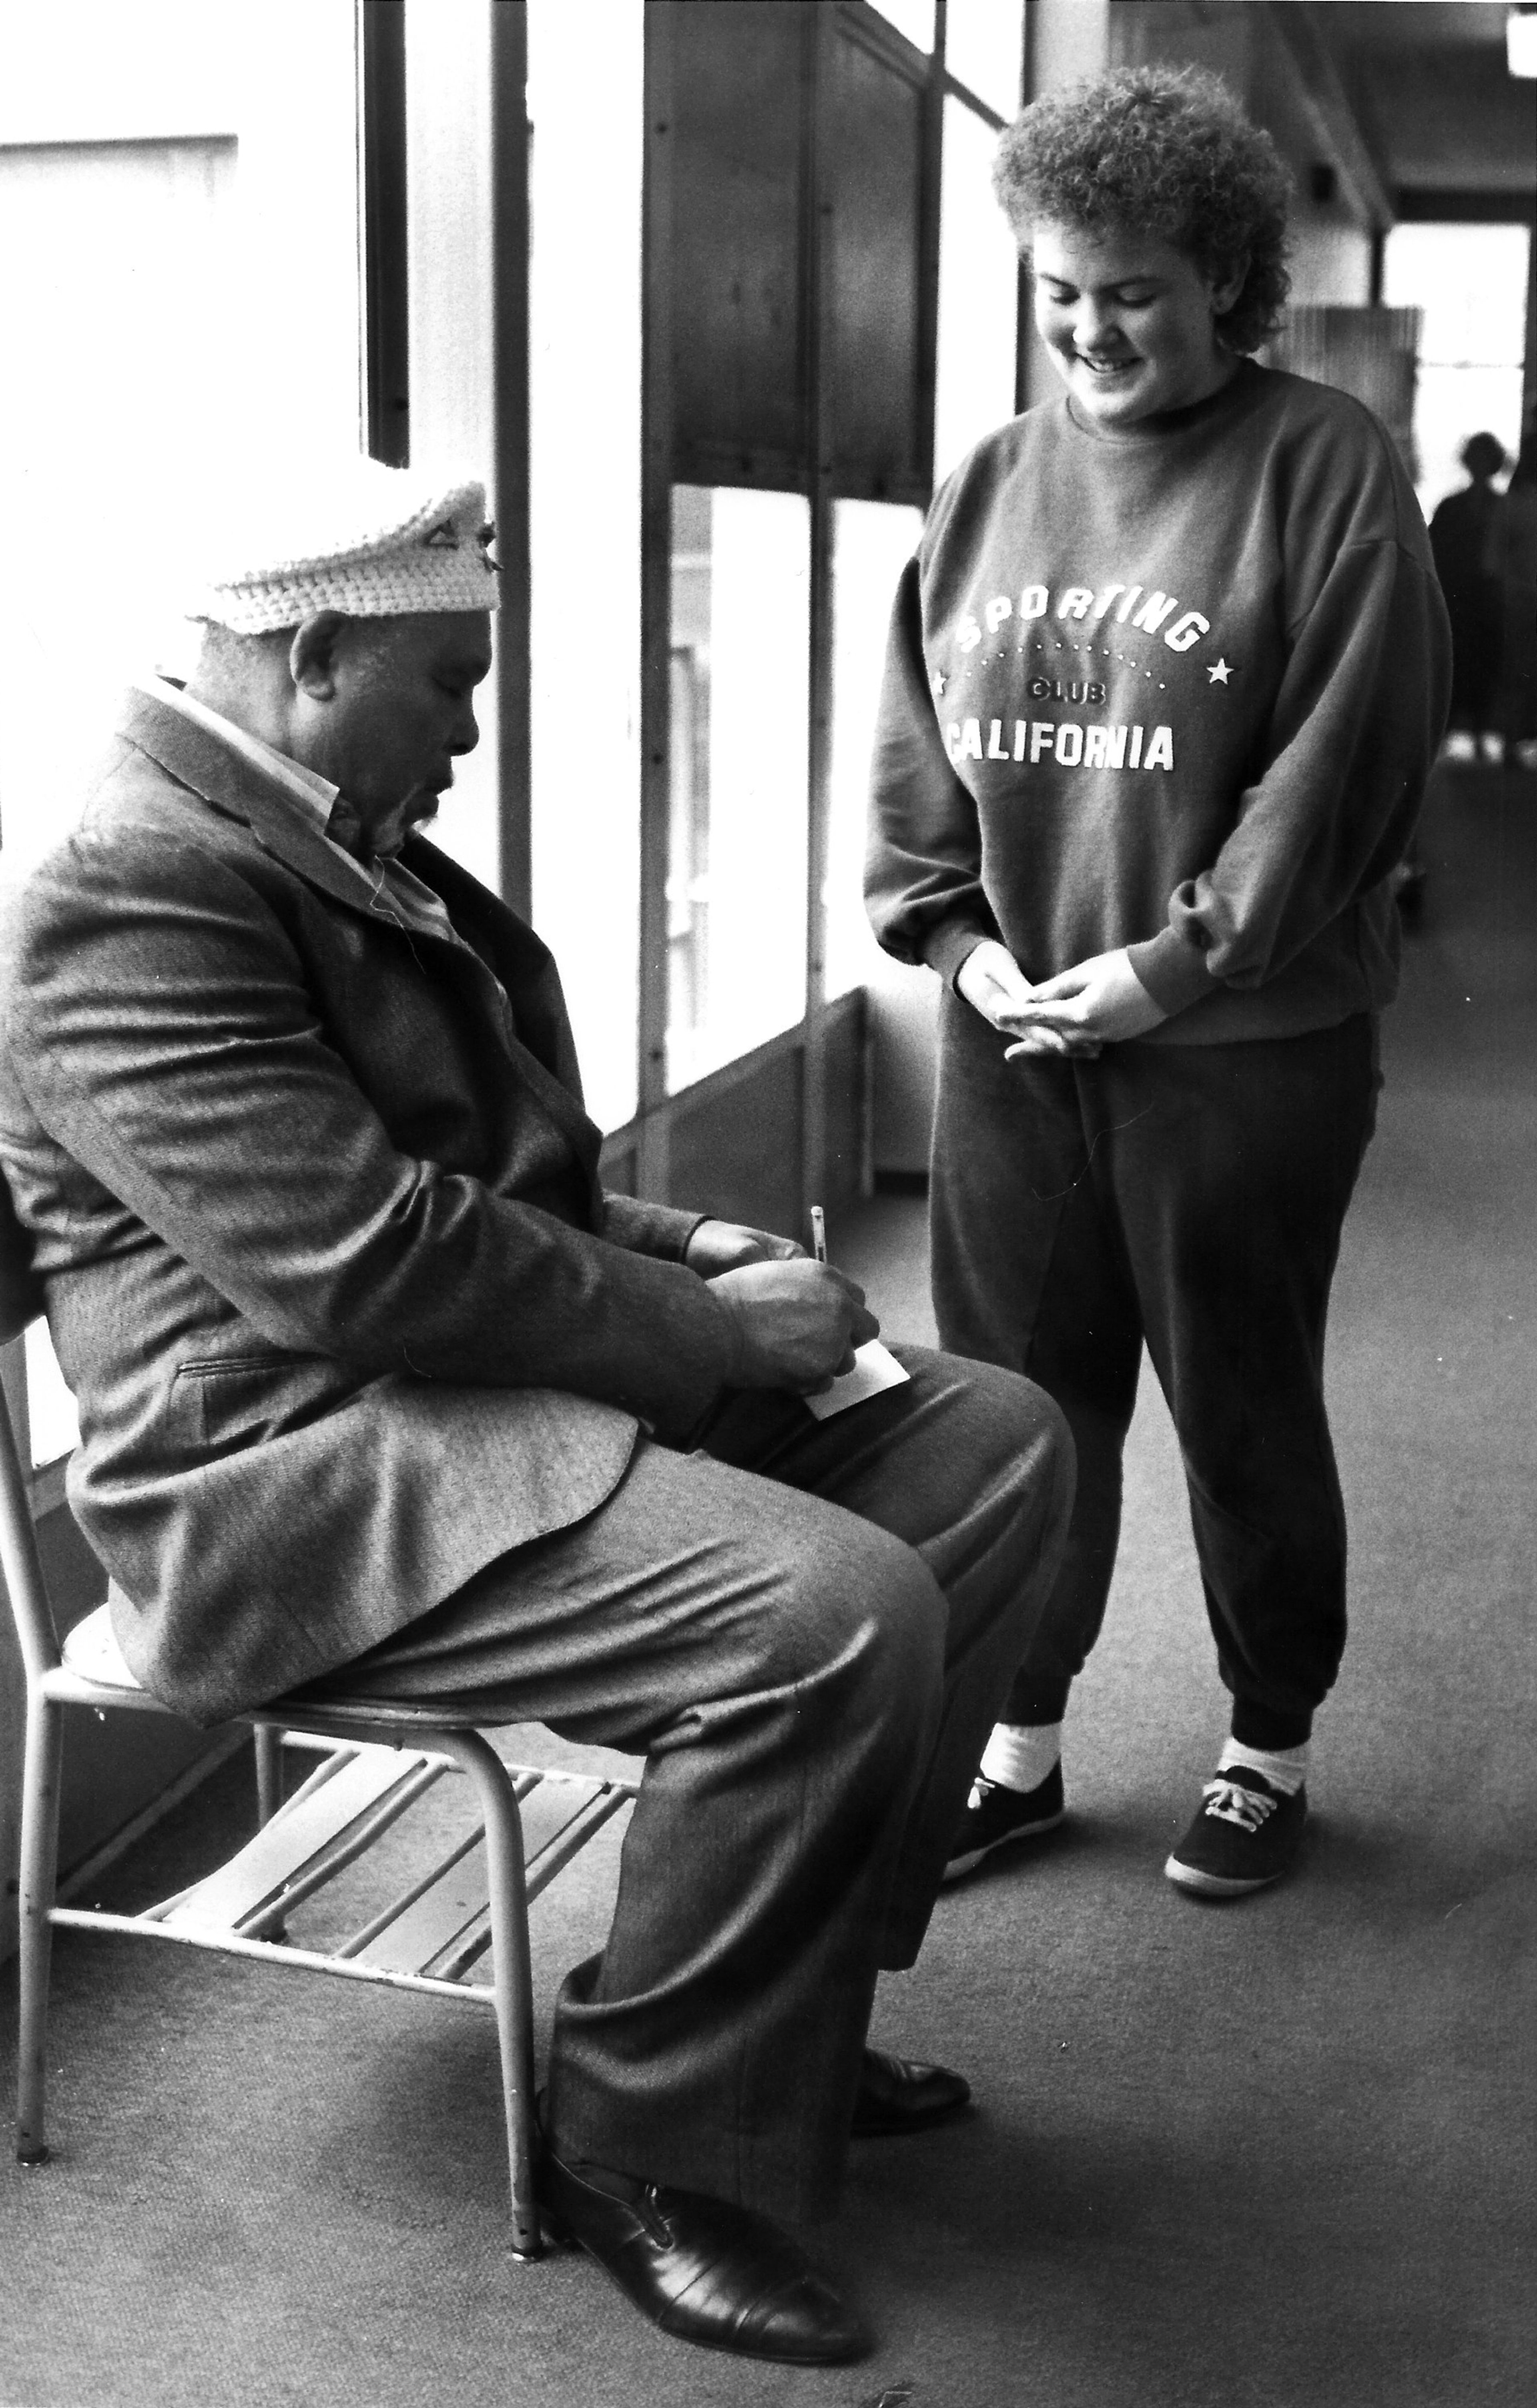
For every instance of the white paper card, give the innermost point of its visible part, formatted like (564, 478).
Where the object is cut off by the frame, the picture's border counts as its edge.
(873, 1369)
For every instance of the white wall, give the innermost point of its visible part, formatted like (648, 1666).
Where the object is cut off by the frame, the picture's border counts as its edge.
(178, 294)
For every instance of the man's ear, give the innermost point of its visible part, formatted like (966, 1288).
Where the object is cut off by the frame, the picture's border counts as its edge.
(312, 654)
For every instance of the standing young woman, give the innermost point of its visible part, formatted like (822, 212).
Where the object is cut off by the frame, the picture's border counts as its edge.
(1165, 682)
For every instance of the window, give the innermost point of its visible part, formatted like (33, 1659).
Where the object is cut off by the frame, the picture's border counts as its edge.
(1468, 282)
(983, 45)
(872, 541)
(736, 887)
(119, 228)
(913, 18)
(150, 217)
(819, 197)
(588, 120)
(979, 295)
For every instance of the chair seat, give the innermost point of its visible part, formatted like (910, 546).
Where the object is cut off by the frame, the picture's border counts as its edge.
(91, 1651)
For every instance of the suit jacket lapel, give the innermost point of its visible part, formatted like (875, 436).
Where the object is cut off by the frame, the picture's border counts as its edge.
(507, 951)
(237, 790)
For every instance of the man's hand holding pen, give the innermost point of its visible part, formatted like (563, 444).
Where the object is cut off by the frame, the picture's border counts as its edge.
(797, 1322)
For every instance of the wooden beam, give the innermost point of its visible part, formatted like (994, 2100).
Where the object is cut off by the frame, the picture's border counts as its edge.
(1426, 206)
(509, 201)
(653, 1177)
(385, 302)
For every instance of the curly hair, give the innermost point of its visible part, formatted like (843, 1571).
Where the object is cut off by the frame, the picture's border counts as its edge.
(1170, 153)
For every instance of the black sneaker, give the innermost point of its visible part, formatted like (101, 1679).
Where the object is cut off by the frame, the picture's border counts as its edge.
(994, 1815)
(1246, 1834)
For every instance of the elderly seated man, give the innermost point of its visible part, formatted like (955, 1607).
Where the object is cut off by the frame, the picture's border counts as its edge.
(378, 1388)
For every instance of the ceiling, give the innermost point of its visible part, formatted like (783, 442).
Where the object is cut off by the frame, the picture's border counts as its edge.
(1442, 24)
(1429, 86)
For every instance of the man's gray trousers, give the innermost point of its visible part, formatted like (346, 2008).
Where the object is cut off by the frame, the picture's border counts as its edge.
(806, 1627)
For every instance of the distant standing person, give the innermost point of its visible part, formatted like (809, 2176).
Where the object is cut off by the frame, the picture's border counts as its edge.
(1513, 555)
(1462, 541)
(1164, 685)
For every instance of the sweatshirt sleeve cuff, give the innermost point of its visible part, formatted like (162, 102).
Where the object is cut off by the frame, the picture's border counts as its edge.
(1174, 970)
(952, 944)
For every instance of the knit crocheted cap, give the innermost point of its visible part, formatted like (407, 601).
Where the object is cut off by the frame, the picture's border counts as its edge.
(376, 542)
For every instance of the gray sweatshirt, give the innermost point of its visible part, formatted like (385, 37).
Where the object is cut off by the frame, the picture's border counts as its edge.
(1176, 688)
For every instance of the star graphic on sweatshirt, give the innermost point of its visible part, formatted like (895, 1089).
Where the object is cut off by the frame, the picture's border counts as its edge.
(1220, 672)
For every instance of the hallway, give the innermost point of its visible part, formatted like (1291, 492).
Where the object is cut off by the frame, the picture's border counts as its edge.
(1283, 2154)
(1277, 2156)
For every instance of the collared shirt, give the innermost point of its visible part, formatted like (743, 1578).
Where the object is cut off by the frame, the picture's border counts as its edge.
(413, 904)
(315, 795)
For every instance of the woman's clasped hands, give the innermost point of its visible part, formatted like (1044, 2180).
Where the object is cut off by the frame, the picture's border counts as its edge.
(1100, 1002)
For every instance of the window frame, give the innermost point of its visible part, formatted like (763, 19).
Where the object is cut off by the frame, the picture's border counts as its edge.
(643, 1147)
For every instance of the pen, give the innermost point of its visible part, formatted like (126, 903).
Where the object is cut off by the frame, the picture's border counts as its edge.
(819, 1233)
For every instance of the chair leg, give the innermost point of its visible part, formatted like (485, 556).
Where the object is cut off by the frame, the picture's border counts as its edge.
(513, 1974)
(269, 1771)
(38, 1872)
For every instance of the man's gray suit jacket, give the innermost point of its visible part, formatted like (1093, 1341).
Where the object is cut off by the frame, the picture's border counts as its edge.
(314, 1206)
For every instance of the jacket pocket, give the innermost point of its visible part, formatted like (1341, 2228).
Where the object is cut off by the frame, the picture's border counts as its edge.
(221, 1403)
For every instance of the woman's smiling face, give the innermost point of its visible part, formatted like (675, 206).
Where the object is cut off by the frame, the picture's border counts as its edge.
(1129, 321)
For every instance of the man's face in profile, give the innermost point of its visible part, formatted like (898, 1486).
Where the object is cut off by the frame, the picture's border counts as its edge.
(400, 710)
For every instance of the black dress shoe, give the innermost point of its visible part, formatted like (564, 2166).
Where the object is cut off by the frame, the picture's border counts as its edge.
(897, 2095)
(703, 2269)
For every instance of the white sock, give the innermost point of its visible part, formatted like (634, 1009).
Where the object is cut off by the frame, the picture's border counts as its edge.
(1019, 1755)
(1284, 1767)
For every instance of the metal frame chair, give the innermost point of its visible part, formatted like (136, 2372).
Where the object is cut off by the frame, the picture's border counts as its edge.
(374, 1763)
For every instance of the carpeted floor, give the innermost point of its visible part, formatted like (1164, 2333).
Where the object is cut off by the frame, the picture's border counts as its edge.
(1278, 2155)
